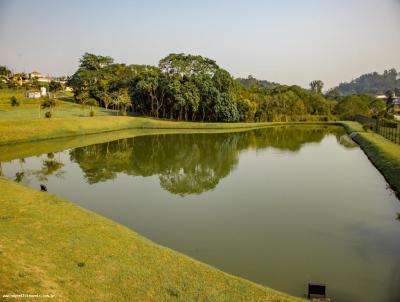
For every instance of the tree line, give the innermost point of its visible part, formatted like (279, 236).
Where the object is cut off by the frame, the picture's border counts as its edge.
(193, 88)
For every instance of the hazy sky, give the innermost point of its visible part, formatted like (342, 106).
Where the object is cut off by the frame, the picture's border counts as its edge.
(286, 41)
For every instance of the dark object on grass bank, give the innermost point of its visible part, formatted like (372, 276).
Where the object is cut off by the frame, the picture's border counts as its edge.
(81, 264)
(43, 188)
(173, 292)
(316, 291)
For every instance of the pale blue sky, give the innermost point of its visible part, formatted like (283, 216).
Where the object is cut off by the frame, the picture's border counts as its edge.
(286, 41)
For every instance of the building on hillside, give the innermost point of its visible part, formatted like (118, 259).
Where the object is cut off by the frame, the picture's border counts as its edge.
(37, 94)
(19, 78)
(34, 75)
(33, 95)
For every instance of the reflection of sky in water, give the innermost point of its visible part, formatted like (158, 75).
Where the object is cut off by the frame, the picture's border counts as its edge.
(281, 207)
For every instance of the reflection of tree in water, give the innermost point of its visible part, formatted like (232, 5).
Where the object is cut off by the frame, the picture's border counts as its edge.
(50, 167)
(188, 163)
(290, 138)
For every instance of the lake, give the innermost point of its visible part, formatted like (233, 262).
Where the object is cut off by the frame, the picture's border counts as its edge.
(280, 206)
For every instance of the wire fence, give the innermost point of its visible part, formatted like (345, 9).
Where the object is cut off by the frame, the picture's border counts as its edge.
(388, 129)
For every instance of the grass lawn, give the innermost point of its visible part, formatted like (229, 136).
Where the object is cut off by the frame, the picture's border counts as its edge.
(29, 108)
(51, 246)
(383, 153)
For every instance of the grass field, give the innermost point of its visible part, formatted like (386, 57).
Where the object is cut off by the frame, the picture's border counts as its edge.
(51, 246)
(30, 108)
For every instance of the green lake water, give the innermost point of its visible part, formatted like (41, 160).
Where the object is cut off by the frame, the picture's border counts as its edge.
(280, 206)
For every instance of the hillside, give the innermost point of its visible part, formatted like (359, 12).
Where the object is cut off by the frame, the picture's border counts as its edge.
(372, 83)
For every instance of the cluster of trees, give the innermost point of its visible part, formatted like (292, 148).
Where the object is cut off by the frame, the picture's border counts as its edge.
(182, 87)
(282, 103)
(193, 88)
(349, 106)
(372, 83)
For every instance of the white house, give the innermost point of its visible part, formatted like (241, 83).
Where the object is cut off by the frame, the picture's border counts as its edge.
(34, 95)
(38, 76)
(37, 94)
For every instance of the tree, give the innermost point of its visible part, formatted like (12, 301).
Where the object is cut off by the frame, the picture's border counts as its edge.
(351, 106)
(4, 71)
(316, 86)
(389, 100)
(48, 104)
(122, 100)
(55, 86)
(86, 100)
(333, 94)
(106, 98)
(14, 102)
(91, 61)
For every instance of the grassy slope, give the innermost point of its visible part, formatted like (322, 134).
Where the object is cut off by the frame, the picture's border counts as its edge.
(44, 239)
(29, 108)
(384, 154)
(39, 129)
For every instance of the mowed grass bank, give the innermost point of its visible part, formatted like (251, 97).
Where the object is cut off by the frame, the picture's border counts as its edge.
(30, 108)
(51, 246)
(25, 130)
(383, 153)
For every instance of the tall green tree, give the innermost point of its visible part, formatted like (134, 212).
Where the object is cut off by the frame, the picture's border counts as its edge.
(54, 87)
(389, 100)
(4, 71)
(316, 86)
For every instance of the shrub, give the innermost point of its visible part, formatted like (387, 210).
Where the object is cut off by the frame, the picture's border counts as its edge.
(47, 114)
(14, 102)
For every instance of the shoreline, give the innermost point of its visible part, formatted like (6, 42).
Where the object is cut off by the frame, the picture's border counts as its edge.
(382, 153)
(44, 129)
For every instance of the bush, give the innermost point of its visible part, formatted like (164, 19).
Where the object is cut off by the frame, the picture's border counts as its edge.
(14, 102)
(47, 114)
(91, 113)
